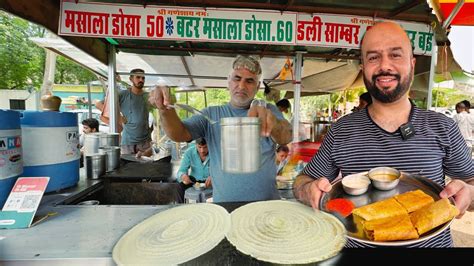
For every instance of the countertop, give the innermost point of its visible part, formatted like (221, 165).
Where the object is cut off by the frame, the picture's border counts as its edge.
(86, 235)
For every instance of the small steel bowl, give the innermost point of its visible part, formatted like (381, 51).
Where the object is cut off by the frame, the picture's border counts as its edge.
(384, 178)
(355, 184)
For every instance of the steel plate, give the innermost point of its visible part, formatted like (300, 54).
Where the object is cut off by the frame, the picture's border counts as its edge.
(407, 183)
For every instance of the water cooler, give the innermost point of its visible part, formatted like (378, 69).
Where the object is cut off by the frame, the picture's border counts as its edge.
(11, 158)
(51, 147)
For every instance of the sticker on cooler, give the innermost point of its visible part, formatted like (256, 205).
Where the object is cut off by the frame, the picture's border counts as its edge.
(11, 160)
(59, 144)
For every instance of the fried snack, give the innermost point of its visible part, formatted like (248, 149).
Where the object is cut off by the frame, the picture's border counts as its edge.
(390, 229)
(433, 215)
(414, 200)
(381, 209)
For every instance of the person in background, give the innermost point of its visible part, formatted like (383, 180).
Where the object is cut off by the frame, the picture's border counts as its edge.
(364, 100)
(89, 125)
(284, 106)
(463, 120)
(282, 153)
(243, 84)
(194, 166)
(431, 143)
(134, 106)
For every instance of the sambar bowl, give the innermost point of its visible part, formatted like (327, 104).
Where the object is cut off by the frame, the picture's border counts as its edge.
(384, 178)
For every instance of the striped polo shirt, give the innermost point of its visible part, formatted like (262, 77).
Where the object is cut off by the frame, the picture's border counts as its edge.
(356, 144)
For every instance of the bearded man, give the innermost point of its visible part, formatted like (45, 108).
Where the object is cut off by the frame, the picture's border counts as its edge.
(392, 132)
(135, 108)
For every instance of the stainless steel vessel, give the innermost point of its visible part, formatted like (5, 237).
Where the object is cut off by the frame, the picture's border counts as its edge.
(95, 165)
(109, 140)
(113, 157)
(240, 144)
(92, 143)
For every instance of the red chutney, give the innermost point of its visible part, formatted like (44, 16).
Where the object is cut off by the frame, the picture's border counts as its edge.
(342, 206)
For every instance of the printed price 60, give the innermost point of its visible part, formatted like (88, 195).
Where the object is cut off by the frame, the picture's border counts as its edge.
(284, 31)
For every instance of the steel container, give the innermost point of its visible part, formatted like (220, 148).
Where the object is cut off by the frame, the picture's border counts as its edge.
(110, 140)
(113, 157)
(240, 144)
(92, 143)
(95, 165)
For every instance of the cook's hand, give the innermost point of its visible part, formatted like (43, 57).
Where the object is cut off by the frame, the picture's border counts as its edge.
(160, 97)
(208, 182)
(310, 192)
(462, 193)
(186, 180)
(258, 108)
(139, 154)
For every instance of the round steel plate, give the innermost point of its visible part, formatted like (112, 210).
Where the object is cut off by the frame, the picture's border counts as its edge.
(407, 183)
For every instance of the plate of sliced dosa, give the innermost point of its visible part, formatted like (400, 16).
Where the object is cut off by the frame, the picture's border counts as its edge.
(410, 213)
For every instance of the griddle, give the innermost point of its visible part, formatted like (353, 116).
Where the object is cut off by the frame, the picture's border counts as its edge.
(159, 171)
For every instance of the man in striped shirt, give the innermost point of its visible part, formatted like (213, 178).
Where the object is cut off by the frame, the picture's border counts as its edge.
(373, 137)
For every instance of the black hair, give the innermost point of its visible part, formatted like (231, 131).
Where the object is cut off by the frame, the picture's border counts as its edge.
(283, 148)
(366, 97)
(92, 123)
(201, 141)
(467, 104)
(284, 103)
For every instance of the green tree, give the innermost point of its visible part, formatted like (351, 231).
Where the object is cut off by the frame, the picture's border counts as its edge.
(68, 72)
(21, 61)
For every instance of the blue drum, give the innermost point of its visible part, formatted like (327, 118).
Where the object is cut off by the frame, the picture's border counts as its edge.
(11, 159)
(51, 147)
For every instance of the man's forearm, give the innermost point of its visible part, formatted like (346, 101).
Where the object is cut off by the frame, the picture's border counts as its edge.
(282, 133)
(173, 126)
(298, 187)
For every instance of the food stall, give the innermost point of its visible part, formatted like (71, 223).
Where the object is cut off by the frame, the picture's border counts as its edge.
(81, 234)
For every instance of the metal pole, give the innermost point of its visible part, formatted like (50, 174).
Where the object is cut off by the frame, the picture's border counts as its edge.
(453, 14)
(89, 100)
(113, 99)
(296, 111)
(434, 57)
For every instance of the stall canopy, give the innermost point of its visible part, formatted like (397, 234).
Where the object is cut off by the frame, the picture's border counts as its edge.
(464, 13)
(189, 63)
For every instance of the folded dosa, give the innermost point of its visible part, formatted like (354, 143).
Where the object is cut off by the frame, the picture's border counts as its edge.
(433, 215)
(414, 200)
(390, 229)
(381, 209)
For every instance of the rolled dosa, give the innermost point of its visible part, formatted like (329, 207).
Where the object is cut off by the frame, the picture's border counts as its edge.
(414, 200)
(390, 229)
(381, 209)
(433, 215)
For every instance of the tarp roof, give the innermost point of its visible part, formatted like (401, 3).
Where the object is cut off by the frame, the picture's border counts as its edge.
(414, 11)
(206, 64)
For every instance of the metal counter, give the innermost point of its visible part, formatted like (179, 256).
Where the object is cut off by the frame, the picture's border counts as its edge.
(86, 235)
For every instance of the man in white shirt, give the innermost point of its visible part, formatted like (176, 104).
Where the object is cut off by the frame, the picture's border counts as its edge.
(463, 119)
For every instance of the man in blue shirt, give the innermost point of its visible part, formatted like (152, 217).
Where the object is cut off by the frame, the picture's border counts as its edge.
(195, 159)
(243, 84)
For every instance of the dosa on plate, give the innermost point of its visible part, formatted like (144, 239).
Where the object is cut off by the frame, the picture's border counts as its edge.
(433, 215)
(414, 200)
(381, 209)
(390, 229)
